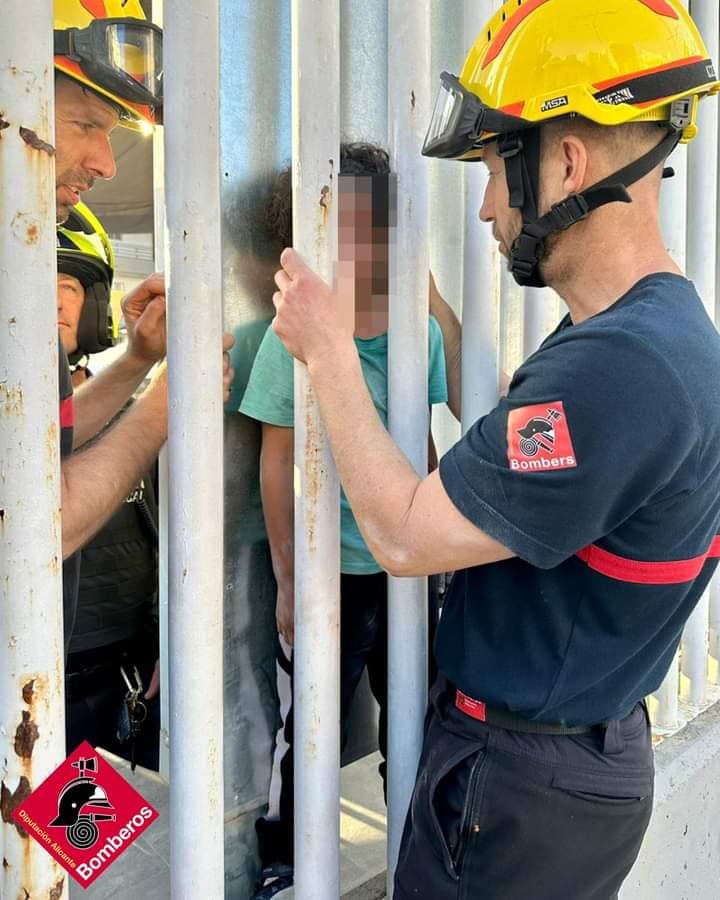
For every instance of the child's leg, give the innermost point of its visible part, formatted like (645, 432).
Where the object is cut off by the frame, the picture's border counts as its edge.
(361, 615)
(275, 830)
(378, 674)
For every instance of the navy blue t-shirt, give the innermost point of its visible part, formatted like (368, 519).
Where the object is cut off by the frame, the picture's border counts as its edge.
(601, 471)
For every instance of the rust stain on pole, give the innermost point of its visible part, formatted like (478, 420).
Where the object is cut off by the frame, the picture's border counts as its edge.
(11, 400)
(9, 802)
(26, 735)
(325, 200)
(37, 143)
(56, 891)
(28, 691)
(313, 478)
(3, 123)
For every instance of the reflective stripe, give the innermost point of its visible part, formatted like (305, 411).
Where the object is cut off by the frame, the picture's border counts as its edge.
(639, 572)
(631, 76)
(67, 413)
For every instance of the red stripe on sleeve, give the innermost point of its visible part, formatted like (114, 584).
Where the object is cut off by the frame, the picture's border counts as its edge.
(67, 413)
(636, 571)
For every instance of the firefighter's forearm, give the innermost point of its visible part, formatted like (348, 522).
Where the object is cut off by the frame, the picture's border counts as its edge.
(104, 395)
(96, 480)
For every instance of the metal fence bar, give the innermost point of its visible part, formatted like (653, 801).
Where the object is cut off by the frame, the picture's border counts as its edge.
(715, 586)
(32, 720)
(666, 716)
(316, 140)
(195, 446)
(408, 418)
(673, 203)
(160, 242)
(701, 243)
(481, 273)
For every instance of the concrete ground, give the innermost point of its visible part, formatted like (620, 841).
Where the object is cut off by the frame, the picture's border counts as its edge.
(679, 860)
(143, 870)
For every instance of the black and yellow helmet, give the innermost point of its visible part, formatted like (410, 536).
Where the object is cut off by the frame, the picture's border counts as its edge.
(85, 252)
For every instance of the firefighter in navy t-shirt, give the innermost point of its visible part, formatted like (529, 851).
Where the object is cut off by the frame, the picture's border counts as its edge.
(581, 514)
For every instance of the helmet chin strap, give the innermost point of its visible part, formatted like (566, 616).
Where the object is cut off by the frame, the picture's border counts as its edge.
(521, 152)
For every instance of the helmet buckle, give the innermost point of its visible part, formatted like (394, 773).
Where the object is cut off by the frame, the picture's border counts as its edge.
(569, 211)
(509, 145)
(681, 113)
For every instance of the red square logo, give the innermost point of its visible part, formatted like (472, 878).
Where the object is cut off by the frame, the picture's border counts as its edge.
(85, 814)
(538, 439)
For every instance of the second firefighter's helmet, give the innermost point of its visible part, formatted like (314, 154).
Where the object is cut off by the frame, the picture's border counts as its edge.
(85, 252)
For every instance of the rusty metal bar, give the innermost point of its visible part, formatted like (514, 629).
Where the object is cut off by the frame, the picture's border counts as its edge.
(316, 141)
(701, 214)
(481, 278)
(160, 242)
(408, 114)
(195, 564)
(673, 218)
(32, 720)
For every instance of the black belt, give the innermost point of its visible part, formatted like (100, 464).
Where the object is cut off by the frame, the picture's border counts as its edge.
(502, 718)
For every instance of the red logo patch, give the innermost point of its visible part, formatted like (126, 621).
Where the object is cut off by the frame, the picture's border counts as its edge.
(538, 439)
(85, 815)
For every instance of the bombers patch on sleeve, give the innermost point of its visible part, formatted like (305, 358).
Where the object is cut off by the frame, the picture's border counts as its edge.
(538, 438)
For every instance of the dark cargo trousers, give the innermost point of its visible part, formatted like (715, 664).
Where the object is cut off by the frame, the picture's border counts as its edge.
(506, 815)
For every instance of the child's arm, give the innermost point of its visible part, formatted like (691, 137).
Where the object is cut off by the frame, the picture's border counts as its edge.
(452, 341)
(432, 449)
(276, 486)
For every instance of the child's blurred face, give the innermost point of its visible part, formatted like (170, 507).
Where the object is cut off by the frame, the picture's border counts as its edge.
(359, 241)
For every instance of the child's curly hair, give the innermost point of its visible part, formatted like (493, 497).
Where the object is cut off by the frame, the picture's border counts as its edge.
(356, 158)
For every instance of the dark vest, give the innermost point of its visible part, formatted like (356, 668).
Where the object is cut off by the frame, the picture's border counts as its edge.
(117, 598)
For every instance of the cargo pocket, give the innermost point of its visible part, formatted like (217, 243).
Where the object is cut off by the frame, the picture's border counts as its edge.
(451, 792)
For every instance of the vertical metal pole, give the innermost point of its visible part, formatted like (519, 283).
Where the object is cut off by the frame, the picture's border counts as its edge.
(541, 308)
(255, 144)
(316, 140)
(666, 719)
(715, 585)
(701, 237)
(32, 720)
(192, 189)
(481, 274)
(447, 193)
(673, 205)
(408, 113)
(160, 242)
(363, 71)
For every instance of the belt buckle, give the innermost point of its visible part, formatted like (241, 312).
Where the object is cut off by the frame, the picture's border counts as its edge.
(473, 708)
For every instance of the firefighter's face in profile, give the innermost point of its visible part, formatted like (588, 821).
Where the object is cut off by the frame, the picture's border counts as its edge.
(496, 211)
(70, 300)
(83, 124)
(360, 242)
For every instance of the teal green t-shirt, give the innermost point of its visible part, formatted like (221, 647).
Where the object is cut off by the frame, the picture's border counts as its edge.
(269, 398)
